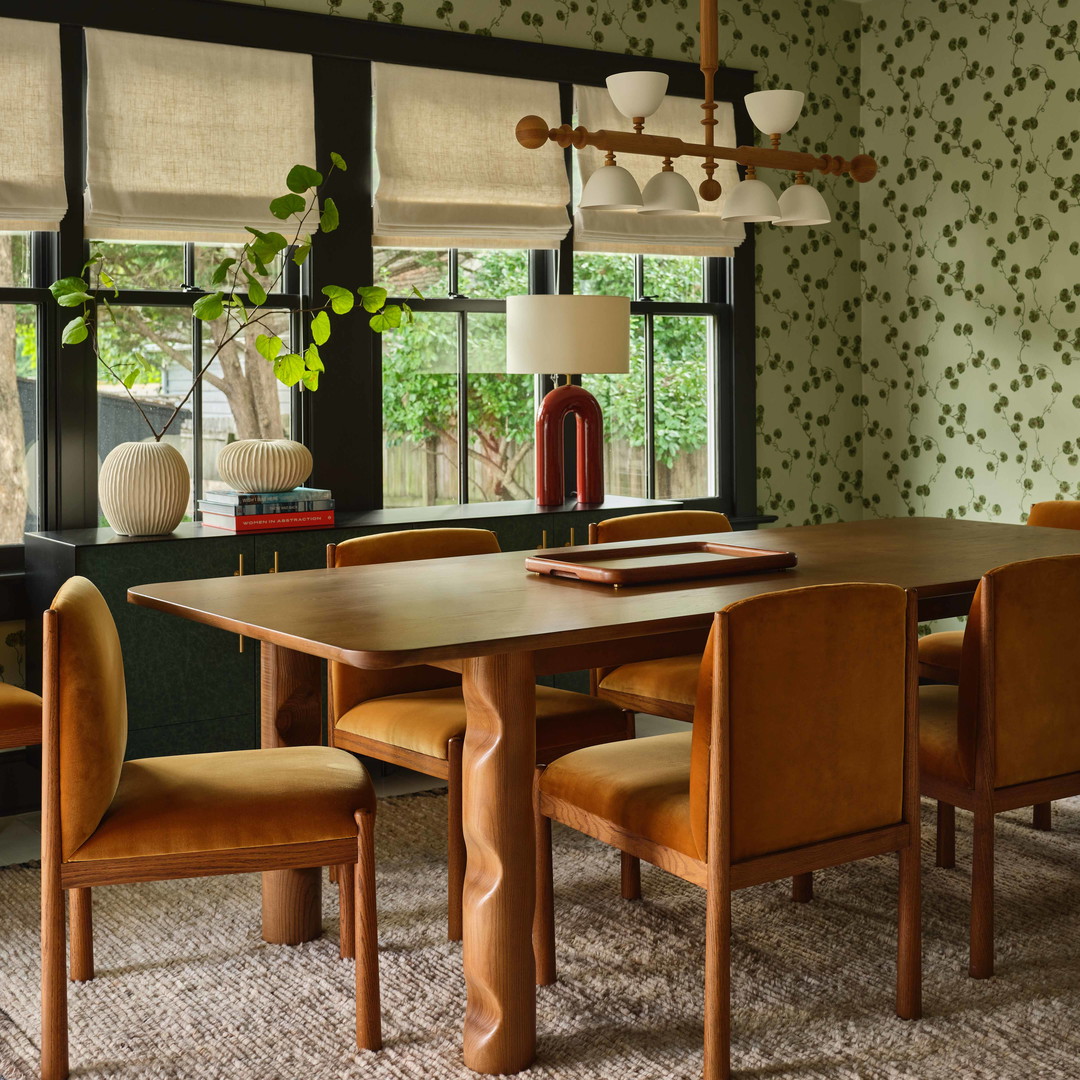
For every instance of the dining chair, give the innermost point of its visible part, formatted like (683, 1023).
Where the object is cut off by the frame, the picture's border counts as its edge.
(665, 687)
(106, 821)
(940, 653)
(1009, 734)
(415, 716)
(20, 717)
(802, 755)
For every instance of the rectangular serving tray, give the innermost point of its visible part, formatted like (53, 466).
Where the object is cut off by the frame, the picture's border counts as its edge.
(648, 564)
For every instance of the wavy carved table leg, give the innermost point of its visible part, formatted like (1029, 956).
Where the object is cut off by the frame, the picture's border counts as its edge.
(291, 716)
(497, 767)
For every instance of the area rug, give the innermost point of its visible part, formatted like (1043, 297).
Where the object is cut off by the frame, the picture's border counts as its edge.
(187, 989)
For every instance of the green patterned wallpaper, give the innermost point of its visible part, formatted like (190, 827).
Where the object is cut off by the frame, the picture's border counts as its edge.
(971, 274)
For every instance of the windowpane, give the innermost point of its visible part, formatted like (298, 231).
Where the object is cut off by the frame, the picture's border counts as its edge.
(241, 397)
(493, 275)
(604, 275)
(207, 257)
(400, 270)
(420, 386)
(161, 337)
(681, 406)
(156, 265)
(502, 420)
(18, 416)
(675, 278)
(622, 399)
(14, 259)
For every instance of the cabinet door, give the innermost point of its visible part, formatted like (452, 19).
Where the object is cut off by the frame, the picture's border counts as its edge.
(190, 687)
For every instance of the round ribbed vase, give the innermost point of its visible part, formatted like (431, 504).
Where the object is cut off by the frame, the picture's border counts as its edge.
(144, 488)
(256, 465)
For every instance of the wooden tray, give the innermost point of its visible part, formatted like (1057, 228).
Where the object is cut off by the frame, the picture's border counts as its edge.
(646, 564)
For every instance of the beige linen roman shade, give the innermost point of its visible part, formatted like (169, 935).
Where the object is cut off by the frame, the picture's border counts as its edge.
(191, 140)
(32, 193)
(656, 234)
(450, 171)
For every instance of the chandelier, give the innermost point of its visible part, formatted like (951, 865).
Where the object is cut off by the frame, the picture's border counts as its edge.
(638, 94)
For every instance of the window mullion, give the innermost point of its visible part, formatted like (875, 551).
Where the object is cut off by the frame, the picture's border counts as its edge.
(650, 406)
(462, 400)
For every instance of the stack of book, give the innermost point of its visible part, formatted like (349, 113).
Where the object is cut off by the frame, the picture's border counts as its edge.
(267, 511)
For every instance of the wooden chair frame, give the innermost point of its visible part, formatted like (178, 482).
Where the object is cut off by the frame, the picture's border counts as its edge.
(985, 800)
(720, 876)
(354, 859)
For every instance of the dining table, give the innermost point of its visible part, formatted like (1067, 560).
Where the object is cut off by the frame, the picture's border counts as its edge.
(501, 628)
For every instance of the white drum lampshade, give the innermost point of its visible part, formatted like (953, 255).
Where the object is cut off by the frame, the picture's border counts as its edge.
(751, 200)
(637, 93)
(567, 335)
(802, 204)
(611, 187)
(775, 111)
(669, 193)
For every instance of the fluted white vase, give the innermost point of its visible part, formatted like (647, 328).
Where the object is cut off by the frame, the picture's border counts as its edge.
(143, 488)
(256, 465)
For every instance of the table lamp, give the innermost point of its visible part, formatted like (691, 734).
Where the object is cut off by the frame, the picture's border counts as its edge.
(568, 335)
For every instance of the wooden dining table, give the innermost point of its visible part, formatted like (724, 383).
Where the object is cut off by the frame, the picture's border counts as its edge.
(501, 627)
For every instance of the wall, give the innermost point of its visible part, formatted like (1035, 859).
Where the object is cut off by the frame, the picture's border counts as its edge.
(969, 318)
(809, 412)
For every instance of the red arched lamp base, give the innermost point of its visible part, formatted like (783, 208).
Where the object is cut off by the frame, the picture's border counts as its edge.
(550, 460)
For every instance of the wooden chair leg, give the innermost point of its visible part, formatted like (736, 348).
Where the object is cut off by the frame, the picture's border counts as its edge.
(54, 1015)
(346, 911)
(630, 867)
(909, 935)
(802, 888)
(946, 836)
(981, 963)
(1042, 816)
(543, 934)
(455, 842)
(368, 1007)
(718, 985)
(81, 935)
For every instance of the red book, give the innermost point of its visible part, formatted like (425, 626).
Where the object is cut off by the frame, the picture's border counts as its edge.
(304, 519)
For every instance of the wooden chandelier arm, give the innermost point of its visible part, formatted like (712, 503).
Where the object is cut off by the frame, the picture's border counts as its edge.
(533, 132)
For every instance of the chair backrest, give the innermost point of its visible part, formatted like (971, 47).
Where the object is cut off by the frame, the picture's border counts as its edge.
(350, 686)
(809, 694)
(1056, 514)
(1019, 706)
(86, 722)
(658, 525)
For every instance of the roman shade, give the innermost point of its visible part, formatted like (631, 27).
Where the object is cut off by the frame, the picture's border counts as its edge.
(656, 234)
(451, 173)
(191, 140)
(32, 193)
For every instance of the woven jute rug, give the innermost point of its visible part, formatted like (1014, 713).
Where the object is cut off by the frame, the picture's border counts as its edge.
(186, 987)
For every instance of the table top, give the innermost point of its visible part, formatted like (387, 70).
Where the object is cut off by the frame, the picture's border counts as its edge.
(396, 614)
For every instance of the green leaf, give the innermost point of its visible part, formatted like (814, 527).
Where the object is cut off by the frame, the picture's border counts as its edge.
(66, 286)
(75, 331)
(329, 220)
(371, 296)
(256, 293)
(74, 299)
(209, 307)
(290, 368)
(221, 271)
(301, 178)
(269, 347)
(341, 300)
(299, 256)
(312, 359)
(338, 161)
(407, 312)
(387, 319)
(311, 380)
(108, 283)
(131, 378)
(320, 328)
(287, 205)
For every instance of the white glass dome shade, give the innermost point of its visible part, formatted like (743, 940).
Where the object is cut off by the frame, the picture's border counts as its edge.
(775, 111)
(611, 187)
(751, 200)
(669, 193)
(802, 204)
(637, 93)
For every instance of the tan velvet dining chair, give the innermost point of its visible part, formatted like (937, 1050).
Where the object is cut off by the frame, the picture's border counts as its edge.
(106, 821)
(940, 653)
(1009, 734)
(811, 766)
(415, 717)
(20, 717)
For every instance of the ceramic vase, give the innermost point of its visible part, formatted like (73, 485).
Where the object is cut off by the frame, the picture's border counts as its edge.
(258, 465)
(144, 488)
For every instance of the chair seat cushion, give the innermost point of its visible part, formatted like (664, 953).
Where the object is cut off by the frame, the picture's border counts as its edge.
(940, 754)
(939, 656)
(674, 678)
(426, 720)
(642, 786)
(20, 716)
(238, 799)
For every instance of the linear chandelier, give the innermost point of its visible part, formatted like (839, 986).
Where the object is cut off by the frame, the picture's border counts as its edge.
(638, 94)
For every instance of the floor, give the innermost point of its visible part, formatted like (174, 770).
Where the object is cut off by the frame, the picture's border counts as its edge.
(20, 834)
